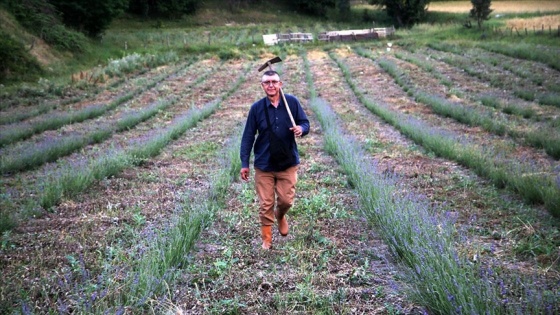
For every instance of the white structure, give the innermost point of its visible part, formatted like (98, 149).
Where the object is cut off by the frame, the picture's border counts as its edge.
(273, 39)
(270, 39)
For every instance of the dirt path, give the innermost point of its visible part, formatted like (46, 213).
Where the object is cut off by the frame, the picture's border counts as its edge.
(330, 260)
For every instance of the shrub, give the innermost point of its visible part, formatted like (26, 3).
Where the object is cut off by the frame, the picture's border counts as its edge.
(15, 62)
(42, 19)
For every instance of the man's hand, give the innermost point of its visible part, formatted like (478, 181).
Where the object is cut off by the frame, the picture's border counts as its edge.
(298, 131)
(244, 174)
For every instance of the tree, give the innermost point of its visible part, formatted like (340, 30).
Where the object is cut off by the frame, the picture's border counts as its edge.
(234, 5)
(404, 12)
(481, 11)
(319, 7)
(163, 8)
(343, 9)
(89, 17)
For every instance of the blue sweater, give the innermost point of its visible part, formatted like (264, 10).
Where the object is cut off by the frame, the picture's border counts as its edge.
(256, 127)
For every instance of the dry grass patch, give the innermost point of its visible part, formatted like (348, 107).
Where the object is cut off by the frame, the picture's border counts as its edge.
(37, 47)
(497, 6)
(550, 20)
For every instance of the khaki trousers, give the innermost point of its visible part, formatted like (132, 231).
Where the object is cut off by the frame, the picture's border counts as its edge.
(275, 189)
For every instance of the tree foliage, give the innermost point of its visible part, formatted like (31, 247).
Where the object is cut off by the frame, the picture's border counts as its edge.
(480, 11)
(234, 5)
(163, 8)
(89, 17)
(15, 62)
(319, 7)
(405, 13)
(343, 9)
(43, 20)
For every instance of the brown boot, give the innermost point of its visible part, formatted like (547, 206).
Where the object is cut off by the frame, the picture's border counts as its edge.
(266, 233)
(283, 226)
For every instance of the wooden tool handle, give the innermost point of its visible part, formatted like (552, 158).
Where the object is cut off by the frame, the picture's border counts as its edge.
(288, 108)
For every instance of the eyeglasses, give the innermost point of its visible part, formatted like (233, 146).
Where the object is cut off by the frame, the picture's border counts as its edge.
(267, 83)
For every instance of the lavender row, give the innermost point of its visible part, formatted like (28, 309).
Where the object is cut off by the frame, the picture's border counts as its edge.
(422, 237)
(491, 97)
(50, 148)
(522, 88)
(16, 132)
(527, 180)
(84, 82)
(71, 179)
(541, 138)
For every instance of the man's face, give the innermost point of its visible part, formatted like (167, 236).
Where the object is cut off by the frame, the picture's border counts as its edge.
(271, 84)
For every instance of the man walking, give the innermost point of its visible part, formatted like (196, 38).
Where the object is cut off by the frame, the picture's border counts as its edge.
(276, 155)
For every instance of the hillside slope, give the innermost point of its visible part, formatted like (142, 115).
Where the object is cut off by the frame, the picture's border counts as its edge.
(23, 55)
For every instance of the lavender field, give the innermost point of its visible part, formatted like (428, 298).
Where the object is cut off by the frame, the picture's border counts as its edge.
(430, 183)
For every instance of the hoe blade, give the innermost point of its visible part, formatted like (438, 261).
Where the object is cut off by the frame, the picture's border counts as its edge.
(270, 62)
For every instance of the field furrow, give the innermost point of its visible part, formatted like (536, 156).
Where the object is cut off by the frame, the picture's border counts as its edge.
(447, 184)
(427, 89)
(326, 240)
(30, 183)
(429, 182)
(459, 188)
(529, 88)
(146, 196)
(89, 226)
(462, 85)
(502, 147)
(95, 108)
